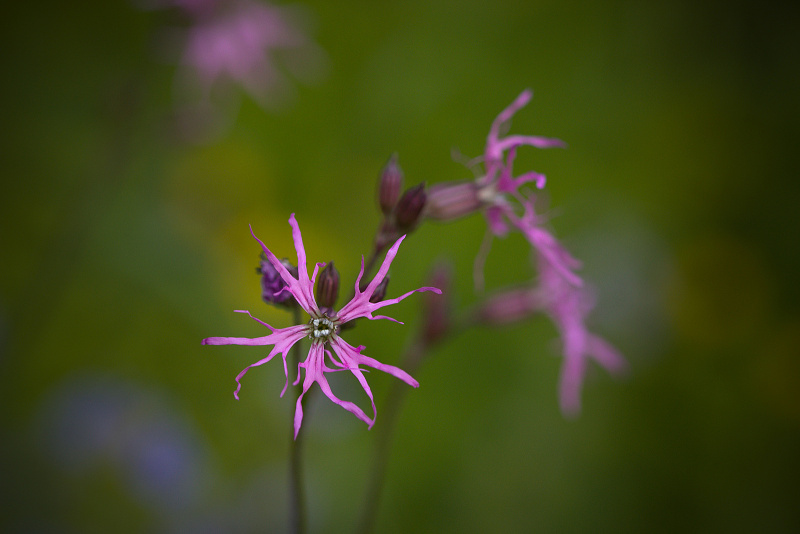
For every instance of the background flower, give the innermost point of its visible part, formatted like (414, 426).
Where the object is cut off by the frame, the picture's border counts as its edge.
(226, 46)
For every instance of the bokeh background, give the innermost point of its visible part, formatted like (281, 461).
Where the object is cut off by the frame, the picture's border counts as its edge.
(125, 241)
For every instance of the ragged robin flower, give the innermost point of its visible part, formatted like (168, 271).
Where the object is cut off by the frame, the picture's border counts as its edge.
(568, 306)
(501, 196)
(322, 330)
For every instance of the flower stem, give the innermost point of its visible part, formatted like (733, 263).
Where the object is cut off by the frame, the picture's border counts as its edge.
(411, 361)
(297, 503)
(383, 439)
(376, 251)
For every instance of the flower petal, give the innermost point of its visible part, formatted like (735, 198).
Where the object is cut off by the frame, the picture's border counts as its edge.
(315, 372)
(360, 305)
(282, 338)
(384, 268)
(266, 340)
(504, 116)
(301, 287)
(546, 245)
(353, 358)
(573, 370)
(496, 146)
(528, 140)
(606, 355)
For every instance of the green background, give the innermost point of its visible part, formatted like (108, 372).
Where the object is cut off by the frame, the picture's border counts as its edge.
(124, 245)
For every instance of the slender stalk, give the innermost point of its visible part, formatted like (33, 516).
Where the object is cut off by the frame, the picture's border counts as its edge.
(383, 439)
(376, 251)
(297, 503)
(411, 361)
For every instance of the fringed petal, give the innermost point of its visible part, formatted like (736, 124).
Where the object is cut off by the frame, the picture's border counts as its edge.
(301, 287)
(603, 353)
(238, 340)
(493, 152)
(573, 370)
(282, 340)
(360, 305)
(315, 372)
(353, 358)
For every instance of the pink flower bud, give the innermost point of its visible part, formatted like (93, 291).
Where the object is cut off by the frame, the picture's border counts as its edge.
(436, 311)
(389, 185)
(509, 307)
(327, 289)
(380, 291)
(409, 208)
(450, 201)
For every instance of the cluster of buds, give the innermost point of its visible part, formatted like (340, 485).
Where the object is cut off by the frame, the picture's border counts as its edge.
(401, 213)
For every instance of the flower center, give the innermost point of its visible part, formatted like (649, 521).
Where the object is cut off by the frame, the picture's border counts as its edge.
(321, 328)
(489, 194)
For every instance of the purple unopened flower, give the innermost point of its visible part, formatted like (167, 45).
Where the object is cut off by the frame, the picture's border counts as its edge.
(509, 306)
(452, 200)
(273, 286)
(380, 291)
(323, 331)
(436, 312)
(409, 208)
(390, 184)
(328, 287)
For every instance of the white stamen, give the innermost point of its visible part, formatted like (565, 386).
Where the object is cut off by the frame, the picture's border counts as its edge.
(322, 327)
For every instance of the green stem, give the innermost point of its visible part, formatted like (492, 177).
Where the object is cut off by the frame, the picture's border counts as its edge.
(371, 262)
(383, 439)
(411, 362)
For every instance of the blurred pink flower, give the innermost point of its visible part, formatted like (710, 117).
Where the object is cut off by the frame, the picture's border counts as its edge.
(560, 292)
(567, 305)
(501, 198)
(235, 41)
(323, 329)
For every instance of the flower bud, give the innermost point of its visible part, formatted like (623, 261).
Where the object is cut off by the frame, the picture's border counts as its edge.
(436, 308)
(450, 201)
(380, 292)
(509, 306)
(389, 185)
(409, 208)
(272, 285)
(327, 289)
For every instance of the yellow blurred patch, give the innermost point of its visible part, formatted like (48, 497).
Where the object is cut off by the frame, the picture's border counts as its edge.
(776, 373)
(721, 292)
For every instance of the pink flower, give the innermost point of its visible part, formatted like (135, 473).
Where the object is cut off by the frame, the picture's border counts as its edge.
(323, 330)
(233, 41)
(560, 292)
(501, 197)
(568, 306)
